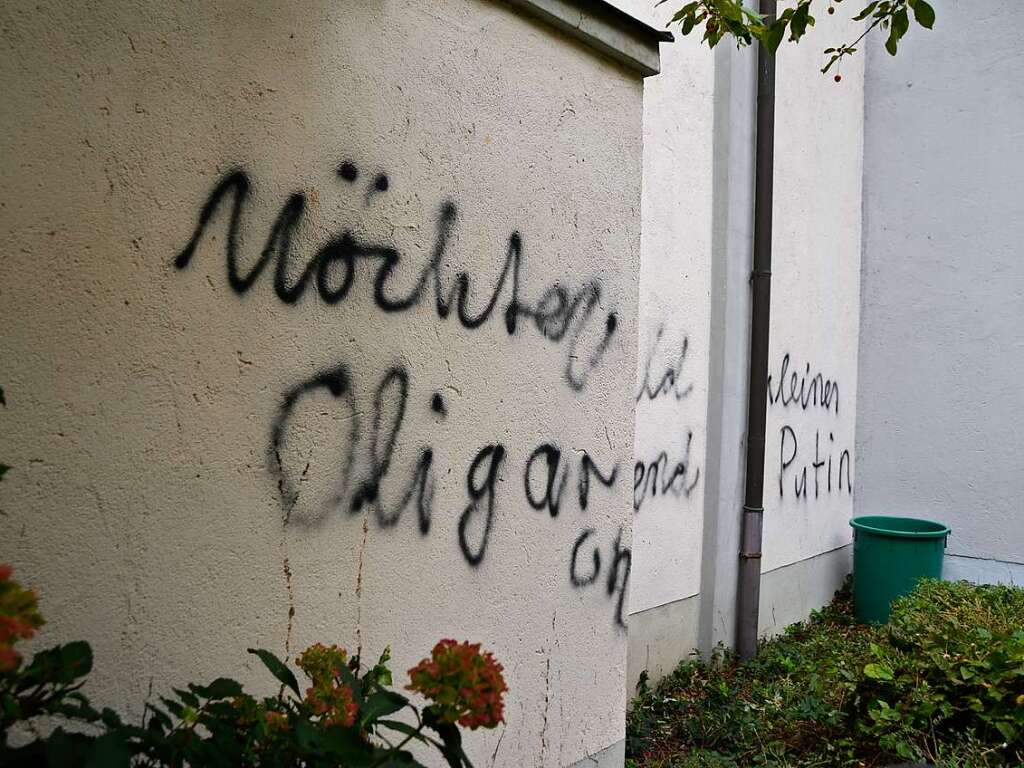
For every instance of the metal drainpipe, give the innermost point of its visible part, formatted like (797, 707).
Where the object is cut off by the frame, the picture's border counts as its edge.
(749, 583)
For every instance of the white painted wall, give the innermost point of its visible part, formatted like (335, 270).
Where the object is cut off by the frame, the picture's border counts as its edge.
(815, 297)
(671, 393)
(939, 431)
(179, 489)
(697, 210)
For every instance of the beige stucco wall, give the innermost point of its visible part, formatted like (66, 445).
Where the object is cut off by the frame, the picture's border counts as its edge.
(187, 453)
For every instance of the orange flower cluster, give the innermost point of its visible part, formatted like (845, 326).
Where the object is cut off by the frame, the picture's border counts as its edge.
(328, 697)
(465, 685)
(276, 721)
(19, 618)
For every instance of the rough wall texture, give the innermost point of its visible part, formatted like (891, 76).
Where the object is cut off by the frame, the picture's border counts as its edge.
(939, 433)
(809, 466)
(320, 325)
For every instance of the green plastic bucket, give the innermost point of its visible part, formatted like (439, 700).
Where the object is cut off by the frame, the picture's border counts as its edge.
(890, 555)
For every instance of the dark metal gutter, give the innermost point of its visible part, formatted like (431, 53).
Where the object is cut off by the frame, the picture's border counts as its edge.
(605, 28)
(749, 585)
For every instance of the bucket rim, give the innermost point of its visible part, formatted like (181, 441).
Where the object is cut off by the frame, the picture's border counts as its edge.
(875, 524)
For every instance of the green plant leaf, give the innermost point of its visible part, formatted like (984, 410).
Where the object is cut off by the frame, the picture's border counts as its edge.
(773, 37)
(398, 725)
(924, 14)
(866, 11)
(878, 671)
(221, 688)
(173, 707)
(109, 751)
(60, 665)
(381, 704)
(900, 22)
(187, 696)
(159, 721)
(277, 668)
(1008, 730)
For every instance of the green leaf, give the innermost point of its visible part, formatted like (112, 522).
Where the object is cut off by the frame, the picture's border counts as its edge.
(221, 688)
(110, 718)
(382, 704)
(866, 11)
(109, 751)
(61, 748)
(900, 23)
(730, 10)
(76, 658)
(398, 725)
(924, 14)
(905, 751)
(159, 721)
(878, 671)
(61, 665)
(277, 668)
(347, 747)
(800, 21)
(752, 14)
(173, 707)
(686, 10)
(773, 37)
(186, 696)
(1008, 730)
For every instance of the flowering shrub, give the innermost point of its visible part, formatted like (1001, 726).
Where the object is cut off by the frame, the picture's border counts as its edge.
(344, 718)
(329, 697)
(465, 685)
(19, 618)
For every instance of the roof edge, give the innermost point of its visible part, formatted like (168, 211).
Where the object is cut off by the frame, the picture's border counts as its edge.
(602, 26)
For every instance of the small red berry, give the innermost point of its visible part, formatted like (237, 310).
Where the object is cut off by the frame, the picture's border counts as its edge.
(838, 78)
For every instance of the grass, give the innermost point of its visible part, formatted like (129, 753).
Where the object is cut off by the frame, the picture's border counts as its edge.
(943, 684)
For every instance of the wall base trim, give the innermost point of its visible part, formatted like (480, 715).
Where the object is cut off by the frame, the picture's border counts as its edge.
(613, 756)
(979, 570)
(659, 638)
(789, 593)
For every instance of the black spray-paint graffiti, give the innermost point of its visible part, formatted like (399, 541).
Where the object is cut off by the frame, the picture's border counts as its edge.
(554, 483)
(805, 391)
(668, 378)
(664, 476)
(789, 441)
(618, 571)
(560, 314)
(366, 479)
(371, 455)
(831, 472)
